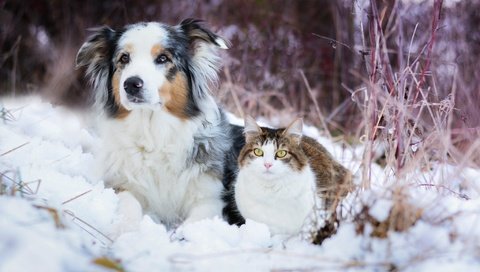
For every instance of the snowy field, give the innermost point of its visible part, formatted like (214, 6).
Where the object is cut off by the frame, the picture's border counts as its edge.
(56, 214)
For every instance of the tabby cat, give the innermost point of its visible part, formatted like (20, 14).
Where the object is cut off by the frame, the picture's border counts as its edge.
(283, 175)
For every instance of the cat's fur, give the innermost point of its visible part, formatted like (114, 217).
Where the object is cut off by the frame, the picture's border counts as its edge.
(282, 192)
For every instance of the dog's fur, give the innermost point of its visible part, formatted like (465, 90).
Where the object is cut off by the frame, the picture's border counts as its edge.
(165, 140)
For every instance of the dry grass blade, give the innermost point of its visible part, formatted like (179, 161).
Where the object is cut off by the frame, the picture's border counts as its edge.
(13, 149)
(37, 188)
(315, 103)
(54, 213)
(76, 197)
(18, 185)
(109, 263)
(89, 228)
(459, 195)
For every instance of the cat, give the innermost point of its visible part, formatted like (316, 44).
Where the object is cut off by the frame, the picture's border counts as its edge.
(283, 175)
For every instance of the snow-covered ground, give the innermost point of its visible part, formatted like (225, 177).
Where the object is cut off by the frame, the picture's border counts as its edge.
(56, 215)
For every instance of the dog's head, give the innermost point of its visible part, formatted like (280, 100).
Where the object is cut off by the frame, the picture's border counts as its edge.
(151, 65)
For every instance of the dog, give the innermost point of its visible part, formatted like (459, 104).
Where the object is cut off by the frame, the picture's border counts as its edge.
(165, 139)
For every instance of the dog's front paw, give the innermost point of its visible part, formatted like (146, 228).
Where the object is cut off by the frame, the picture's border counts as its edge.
(129, 215)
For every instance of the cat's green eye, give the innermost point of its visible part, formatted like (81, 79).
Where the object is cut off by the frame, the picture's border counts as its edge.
(258, 152)
(281, 153)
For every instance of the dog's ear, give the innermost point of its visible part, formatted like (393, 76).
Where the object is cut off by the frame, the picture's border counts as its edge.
(204, 61)
(96, 49)
(95, 55)
(196, 31)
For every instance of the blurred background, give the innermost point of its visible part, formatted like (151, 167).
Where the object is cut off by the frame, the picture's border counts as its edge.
(309, 58)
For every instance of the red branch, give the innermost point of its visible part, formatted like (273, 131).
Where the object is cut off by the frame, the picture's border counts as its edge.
(437, 9)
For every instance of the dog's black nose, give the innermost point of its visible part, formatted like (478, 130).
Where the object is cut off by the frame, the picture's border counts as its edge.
(133, 85)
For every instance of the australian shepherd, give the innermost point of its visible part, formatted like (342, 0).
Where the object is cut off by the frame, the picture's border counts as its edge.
(165, 139)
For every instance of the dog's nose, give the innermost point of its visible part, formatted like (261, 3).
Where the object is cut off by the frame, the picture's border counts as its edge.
(133, 85)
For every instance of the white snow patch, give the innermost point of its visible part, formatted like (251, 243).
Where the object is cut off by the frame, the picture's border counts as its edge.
(381, 209)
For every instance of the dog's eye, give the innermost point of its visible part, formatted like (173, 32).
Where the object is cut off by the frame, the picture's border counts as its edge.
(161, 59)
(124, 58)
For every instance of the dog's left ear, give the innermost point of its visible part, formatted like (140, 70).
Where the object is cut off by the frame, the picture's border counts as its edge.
(95, 51)
(195, 31)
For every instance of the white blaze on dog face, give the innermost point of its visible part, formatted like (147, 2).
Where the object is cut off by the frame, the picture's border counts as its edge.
(142, 67)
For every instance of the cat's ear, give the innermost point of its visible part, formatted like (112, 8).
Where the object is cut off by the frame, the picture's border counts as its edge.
(251, 129)
(294, 130)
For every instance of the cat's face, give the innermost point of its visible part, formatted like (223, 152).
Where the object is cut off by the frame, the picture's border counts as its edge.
(271, 154)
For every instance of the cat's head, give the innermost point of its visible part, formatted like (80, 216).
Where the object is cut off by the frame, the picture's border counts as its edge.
(272, 153)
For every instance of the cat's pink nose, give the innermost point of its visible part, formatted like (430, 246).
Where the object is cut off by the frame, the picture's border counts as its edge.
(267, 165)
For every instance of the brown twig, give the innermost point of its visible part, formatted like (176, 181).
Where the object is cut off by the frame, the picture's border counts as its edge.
(75, 197)
(315, 103)
(84, 223)
(11, 150)
(437, 9)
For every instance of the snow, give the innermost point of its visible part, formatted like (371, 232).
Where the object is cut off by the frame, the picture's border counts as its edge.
(62, 217)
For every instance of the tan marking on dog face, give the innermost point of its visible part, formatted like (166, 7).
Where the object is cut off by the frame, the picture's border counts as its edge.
(175, 95)
(156, 50)
(122, 112)
(128, 48)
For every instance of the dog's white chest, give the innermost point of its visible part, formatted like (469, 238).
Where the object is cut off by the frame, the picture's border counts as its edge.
(151, 156)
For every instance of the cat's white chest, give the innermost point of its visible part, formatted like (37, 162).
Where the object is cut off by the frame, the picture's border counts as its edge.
(282, 204)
